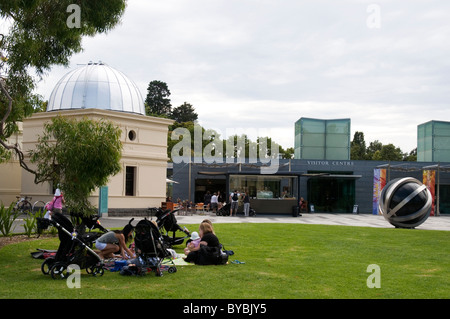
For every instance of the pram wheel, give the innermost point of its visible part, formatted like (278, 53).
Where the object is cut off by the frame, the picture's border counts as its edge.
(58, 271)
(172, 270)
(47, 265)
(97, 271)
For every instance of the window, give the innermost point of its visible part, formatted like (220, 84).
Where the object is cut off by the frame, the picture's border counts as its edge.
(265, 187)
(131, 135)
(130, 181)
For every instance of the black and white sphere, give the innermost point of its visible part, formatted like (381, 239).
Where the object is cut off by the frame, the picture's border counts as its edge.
(405, 202)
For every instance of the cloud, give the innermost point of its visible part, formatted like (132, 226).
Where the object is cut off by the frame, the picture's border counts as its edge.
(264, 64)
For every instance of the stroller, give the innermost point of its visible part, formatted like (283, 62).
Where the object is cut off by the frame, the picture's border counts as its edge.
(90, 222)
(166, 220)
(225, 210)
(74, 248)
(150, 251)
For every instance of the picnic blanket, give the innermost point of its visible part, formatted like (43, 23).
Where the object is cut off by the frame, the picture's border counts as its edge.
(116, 264)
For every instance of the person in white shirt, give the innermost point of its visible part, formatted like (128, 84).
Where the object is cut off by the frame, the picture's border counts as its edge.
(214, 202)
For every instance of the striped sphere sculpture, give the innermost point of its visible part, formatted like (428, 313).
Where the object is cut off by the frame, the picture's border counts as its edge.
(405, 202)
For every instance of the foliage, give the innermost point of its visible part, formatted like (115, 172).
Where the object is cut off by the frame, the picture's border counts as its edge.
(7, 218)
(30, 222)
(79, 156)
(157, 101)
(38, 38)
(377, 151)
(184, 113)
(212, 144)
(306, 261)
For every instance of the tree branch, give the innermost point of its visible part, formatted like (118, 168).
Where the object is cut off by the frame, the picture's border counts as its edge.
(15, 147)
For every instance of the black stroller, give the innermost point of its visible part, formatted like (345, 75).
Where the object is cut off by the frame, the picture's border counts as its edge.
(150, 251)
(166, 220)
(74, 248)
(224, 210)
(90, 222)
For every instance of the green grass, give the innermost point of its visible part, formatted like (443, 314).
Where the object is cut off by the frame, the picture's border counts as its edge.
(282, 261)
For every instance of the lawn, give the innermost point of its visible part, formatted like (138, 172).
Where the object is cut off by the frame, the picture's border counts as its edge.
(282, 261)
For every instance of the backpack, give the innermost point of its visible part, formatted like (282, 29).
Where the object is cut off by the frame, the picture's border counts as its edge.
(235, 197)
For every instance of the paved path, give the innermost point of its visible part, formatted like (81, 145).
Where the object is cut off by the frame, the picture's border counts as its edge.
(366, 220)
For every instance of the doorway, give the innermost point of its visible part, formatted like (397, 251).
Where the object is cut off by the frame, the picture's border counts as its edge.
(331, 194)
(204, 185)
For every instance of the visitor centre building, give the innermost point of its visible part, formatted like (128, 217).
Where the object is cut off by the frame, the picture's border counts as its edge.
(321, 173)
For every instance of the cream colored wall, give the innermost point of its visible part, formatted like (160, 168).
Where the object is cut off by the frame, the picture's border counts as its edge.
(148, 152)
(10, 174)
(10, 182)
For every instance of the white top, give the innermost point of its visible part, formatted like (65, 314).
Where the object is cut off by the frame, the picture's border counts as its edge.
(97, 86)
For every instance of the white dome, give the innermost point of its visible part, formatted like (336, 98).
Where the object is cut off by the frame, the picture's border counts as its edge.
(98, 86)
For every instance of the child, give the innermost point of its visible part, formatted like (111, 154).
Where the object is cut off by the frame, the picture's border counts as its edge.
(194, 244)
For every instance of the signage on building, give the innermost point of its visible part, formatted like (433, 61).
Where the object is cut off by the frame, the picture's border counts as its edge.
(331, 163)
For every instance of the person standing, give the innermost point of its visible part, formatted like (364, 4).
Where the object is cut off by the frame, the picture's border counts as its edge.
(214, 202)
(246, 201)
(234, 199)
(59, 201)
(207, 200)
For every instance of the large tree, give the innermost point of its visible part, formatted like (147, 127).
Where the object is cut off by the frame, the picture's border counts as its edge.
(358, 147)
(42, 33)
(184, 113)
(157, 102)
(79, 156)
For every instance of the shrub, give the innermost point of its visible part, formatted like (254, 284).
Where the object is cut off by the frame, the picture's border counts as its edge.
(7, 218)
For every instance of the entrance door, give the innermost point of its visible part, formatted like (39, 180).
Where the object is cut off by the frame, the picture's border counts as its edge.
(202, 186)
(334, 195)
(444, 199)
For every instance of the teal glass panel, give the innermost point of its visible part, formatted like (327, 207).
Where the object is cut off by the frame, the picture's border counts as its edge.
(337, 153)
(313, 140)
(313, 153)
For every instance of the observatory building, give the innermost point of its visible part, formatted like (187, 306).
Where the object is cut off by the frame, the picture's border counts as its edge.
(98, 91)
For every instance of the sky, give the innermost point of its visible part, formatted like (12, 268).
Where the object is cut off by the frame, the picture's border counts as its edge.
(260, 65)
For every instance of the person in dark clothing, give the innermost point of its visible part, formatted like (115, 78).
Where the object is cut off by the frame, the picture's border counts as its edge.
(209, 248)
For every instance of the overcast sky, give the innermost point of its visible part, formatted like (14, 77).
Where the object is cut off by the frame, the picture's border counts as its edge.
(263, 64)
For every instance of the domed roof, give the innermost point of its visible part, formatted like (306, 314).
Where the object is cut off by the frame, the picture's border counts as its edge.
(96, 85)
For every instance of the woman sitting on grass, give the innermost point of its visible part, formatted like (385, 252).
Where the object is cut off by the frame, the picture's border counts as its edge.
(114, 241)
(207, 251)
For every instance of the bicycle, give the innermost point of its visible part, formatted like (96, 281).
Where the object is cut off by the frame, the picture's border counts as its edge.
(39, 206)
(23, 205)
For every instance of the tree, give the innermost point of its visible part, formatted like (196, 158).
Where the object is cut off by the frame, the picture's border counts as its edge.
(79, 156)
(184, 113)
(373, 147)
(287, 153)
(358, 147)
(411, 157)
(388, 153)
(157, 102)
(39, 37)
